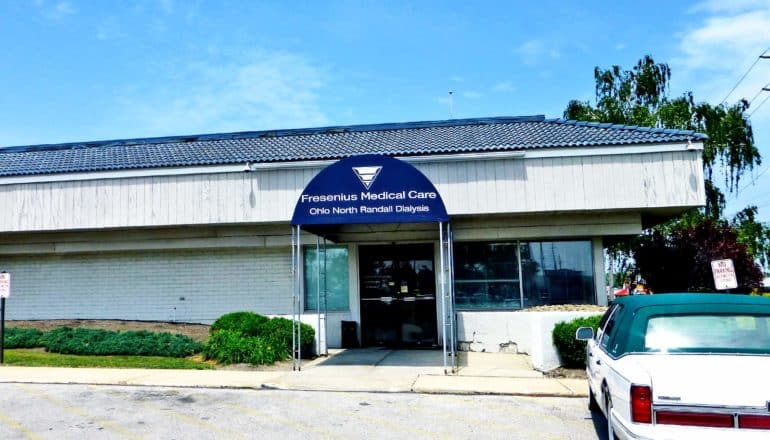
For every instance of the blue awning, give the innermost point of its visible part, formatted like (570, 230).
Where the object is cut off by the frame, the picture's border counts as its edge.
(372, 189)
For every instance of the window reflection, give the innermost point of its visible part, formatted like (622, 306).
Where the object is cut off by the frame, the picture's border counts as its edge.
(337, 286)
(557, 272)
(553, 272)
(486, 276)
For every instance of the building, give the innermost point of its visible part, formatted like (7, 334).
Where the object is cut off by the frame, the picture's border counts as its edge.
(188, 228)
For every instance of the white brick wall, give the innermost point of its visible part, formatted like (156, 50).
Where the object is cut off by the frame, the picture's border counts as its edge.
(150, 285)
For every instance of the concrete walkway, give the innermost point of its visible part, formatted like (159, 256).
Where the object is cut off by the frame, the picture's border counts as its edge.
(364, 370)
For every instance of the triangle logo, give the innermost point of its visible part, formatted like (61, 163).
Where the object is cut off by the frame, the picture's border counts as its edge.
(367, 175)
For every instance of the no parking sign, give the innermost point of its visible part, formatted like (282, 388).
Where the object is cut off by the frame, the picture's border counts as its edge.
(5, 285)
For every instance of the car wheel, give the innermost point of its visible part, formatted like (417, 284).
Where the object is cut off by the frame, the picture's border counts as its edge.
(608, 407)
(593, 405)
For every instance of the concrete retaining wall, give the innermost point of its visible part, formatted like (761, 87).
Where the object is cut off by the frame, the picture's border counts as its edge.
(524, 332)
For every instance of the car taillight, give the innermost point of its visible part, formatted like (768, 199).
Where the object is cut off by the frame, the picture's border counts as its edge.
(754, 422)
(641, 404)
(694, 419)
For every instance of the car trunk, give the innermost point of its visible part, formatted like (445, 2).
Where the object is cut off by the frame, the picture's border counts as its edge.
(697, 379)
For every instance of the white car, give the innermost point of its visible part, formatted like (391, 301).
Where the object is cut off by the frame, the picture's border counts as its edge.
(682, 366)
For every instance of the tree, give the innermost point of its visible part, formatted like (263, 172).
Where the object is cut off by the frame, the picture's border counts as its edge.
(640, 97)
(679, 260)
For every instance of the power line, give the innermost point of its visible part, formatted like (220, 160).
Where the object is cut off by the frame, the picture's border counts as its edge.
(763, 89)
(763, 55)
(760, 105)
(753, 180)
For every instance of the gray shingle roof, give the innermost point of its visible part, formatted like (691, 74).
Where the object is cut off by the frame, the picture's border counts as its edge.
(399, 139)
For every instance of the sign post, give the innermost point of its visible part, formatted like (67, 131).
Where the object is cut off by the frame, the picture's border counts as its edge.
(724, 274)
(5, 292)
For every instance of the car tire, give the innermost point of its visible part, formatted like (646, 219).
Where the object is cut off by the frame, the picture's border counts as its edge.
(608, 407)
(593, 405)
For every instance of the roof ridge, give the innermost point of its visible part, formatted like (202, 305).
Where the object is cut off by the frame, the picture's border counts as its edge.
(332, 129)
(641, 128)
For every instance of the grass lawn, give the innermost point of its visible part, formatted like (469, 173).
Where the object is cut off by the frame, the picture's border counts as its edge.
(38, 358)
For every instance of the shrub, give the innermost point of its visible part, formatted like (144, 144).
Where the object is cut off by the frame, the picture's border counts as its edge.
(232, 347)
(22, 338)
(84, 341)
(249, 337)
(280, 330)
(246, 323)
(572, 351)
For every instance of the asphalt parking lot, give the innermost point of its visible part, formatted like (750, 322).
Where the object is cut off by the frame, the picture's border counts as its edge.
(37, 411)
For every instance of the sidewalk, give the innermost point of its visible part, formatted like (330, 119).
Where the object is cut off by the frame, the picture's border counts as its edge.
(361, 370)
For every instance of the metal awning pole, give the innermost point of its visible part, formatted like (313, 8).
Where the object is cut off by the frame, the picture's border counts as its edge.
(452, 313)
(299, 300)
(293, 300)
(318, 293)
(326, 306)
(443, 293)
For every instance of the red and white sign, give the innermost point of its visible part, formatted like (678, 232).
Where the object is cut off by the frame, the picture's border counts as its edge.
(724, 274)
(5, 285)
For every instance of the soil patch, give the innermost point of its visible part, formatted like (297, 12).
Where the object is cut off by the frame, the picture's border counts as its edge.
(566, 308)
(566, 373)
(198, 332)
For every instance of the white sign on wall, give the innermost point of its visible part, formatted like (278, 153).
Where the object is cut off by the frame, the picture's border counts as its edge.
(5, 285)
(724, 274)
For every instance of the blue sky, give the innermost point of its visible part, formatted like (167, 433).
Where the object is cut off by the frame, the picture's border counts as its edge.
(88, 70)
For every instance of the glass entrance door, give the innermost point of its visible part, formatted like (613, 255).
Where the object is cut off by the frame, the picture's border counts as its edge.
(398, 295)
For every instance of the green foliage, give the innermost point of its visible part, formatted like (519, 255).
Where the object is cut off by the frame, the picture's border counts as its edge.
(232, 347)
(639, 97)
(247, 323)
(280, 330)
(251, 338)
(572, 351)
(752, 234)
(30, 358)
(677, 257)
(22, 337)
(85, 341)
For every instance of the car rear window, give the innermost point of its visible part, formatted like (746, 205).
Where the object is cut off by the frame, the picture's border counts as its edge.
(723, 333)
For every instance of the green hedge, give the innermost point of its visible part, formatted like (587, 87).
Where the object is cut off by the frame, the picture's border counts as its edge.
(246, 337)
(85, 341)
(22, 337)
(232, 347)
(246, 323)
(572, 351)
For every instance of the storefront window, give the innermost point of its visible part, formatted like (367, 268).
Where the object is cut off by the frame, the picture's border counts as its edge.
(337, 278)
(553, 272)
(557, 272)
(486, 276)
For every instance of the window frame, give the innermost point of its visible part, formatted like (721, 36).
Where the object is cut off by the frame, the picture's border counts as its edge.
(305, 303)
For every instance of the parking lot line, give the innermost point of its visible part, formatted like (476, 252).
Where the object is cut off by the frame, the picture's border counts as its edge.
(283, 421)
(78, 412)
(194, 421)
(16, 426)
(382, 421)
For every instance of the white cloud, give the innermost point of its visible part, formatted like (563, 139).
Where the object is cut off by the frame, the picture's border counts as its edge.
(457, 78)
(260, 91)
(56, 10)
(109, 29)
(725, 39)
(730, 7)
(534, 51)
(715, 55)
(471, 95)
(505, 86)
